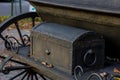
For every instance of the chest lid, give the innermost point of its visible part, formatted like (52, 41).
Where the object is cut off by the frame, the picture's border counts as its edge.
(61, 32)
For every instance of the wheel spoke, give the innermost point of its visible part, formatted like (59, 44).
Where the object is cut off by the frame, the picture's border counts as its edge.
(28, 77)
(28, 73)
(17, 75)
(31, 76)
(42, 77)
(13, 60)
(19, 32)
(1, 36)
(33, 21)
(24, 76)
(36, 76)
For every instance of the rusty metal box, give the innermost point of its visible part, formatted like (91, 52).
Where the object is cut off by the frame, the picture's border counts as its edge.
(66, 47)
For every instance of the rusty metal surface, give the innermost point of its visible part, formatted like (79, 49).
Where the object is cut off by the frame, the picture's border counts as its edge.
(108, 6)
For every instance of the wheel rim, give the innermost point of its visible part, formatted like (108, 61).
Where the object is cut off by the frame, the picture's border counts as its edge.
(24, 39)
(28, 74)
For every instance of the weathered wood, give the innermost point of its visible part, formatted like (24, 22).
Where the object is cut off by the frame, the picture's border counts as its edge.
(51, 73)
(103, 19)
(67, 47)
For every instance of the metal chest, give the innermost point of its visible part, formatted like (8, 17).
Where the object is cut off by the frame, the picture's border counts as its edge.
(66, 47)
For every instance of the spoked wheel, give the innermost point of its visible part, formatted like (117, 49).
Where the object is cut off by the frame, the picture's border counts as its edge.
(28, 74)
(17, 40)
(24, 71)
(13, 32)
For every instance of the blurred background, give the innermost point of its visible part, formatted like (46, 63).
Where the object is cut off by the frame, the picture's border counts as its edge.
(14, 7)
(10, 8)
